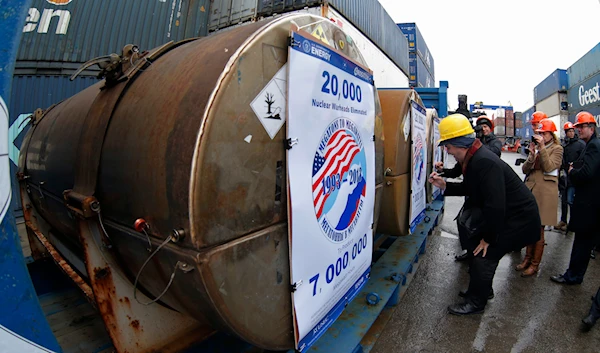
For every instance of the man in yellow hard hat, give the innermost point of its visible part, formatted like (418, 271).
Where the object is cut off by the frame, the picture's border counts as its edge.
(499, 215)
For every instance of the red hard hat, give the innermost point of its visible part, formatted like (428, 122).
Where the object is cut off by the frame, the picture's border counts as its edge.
(481, 119)
(537, 117)
(546, 125)
(585, 118)
(568, 126)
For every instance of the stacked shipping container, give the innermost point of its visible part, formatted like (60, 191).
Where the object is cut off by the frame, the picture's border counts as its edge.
(510, 123)
(59, 37)
(550, 97)
(584, 85)
(527, 130)
(422, 69)
(518, 116)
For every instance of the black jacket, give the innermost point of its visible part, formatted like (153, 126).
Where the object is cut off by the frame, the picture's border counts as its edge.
(512, 219)
(572, 150)
(585, 213)
(490, 141)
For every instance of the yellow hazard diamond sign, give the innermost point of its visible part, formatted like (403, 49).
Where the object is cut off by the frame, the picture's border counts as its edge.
(319, 33)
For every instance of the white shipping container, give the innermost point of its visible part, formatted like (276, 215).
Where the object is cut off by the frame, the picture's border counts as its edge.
(500, 113)
(552, 105)
(386, 73)
(556, 120)
(499, 130)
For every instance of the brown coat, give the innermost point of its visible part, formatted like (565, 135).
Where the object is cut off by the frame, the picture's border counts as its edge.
(543, 186)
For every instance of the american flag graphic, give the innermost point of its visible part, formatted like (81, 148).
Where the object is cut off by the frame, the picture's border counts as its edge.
(339, 153)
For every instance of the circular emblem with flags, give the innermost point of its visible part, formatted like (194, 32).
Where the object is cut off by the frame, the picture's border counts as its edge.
(418, 160)
(339, 179)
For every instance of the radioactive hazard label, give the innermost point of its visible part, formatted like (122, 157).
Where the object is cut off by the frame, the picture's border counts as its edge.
(319, 33)
(269, 105)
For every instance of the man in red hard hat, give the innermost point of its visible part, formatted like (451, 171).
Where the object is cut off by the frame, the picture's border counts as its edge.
(584, 174)
(573, 146)
(537, 117)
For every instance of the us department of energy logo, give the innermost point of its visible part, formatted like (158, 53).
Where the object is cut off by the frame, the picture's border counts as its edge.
(306, 46)
(339, 183)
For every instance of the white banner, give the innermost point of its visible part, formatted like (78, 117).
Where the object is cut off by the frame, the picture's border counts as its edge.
(331, 181)
(437, 153)
(419, 165)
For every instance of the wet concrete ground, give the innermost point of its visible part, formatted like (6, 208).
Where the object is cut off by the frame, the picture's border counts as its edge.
(527, 314)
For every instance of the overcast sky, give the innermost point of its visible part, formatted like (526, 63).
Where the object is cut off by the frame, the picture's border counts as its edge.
(498, 51)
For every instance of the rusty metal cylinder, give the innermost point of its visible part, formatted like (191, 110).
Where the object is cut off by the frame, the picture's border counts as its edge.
(184, 151)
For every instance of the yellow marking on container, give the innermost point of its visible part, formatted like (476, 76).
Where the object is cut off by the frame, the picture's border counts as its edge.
(319, 33)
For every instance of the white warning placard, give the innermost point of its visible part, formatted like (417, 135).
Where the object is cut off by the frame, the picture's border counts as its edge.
(269, 105)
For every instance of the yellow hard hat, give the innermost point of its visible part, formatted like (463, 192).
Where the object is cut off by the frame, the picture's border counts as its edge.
(455, 125)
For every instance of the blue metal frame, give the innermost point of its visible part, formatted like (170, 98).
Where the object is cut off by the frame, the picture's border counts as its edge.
(484, 106)
(436, 97)
(20, 309)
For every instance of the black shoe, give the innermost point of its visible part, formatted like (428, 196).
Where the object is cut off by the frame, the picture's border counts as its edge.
(464, 257)
(465, 293)
(464, 309)
(562, 280)
(588, 322)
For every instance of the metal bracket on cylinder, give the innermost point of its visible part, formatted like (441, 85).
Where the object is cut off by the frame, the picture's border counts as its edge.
(289, 143)
(82, 205)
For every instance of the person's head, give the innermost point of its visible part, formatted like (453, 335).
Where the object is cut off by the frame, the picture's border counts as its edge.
(486, 124)
(569, 129)
(457, 135)
(537, 117)
(585, 125)
(546, 129)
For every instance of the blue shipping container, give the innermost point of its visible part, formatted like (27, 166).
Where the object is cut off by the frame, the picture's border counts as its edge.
(527, 116)
(556, 82)
(584, 95)
(419, 76)
(518, 132)
(28, 94)
(595, 111)
(416, 44)
(77, 31)
(586, 67)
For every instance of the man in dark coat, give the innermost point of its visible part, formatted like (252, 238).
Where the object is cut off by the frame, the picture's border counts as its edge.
(483, 128)
(584, 173)
(487, 136)
(573, 146)
(508, 209)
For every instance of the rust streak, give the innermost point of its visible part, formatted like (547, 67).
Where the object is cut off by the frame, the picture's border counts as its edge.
(60, 261)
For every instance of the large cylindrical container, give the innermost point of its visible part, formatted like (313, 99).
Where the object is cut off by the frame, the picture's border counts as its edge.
(184, 151)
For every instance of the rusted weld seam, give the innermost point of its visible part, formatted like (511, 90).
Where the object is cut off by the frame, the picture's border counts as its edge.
(60, 261)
